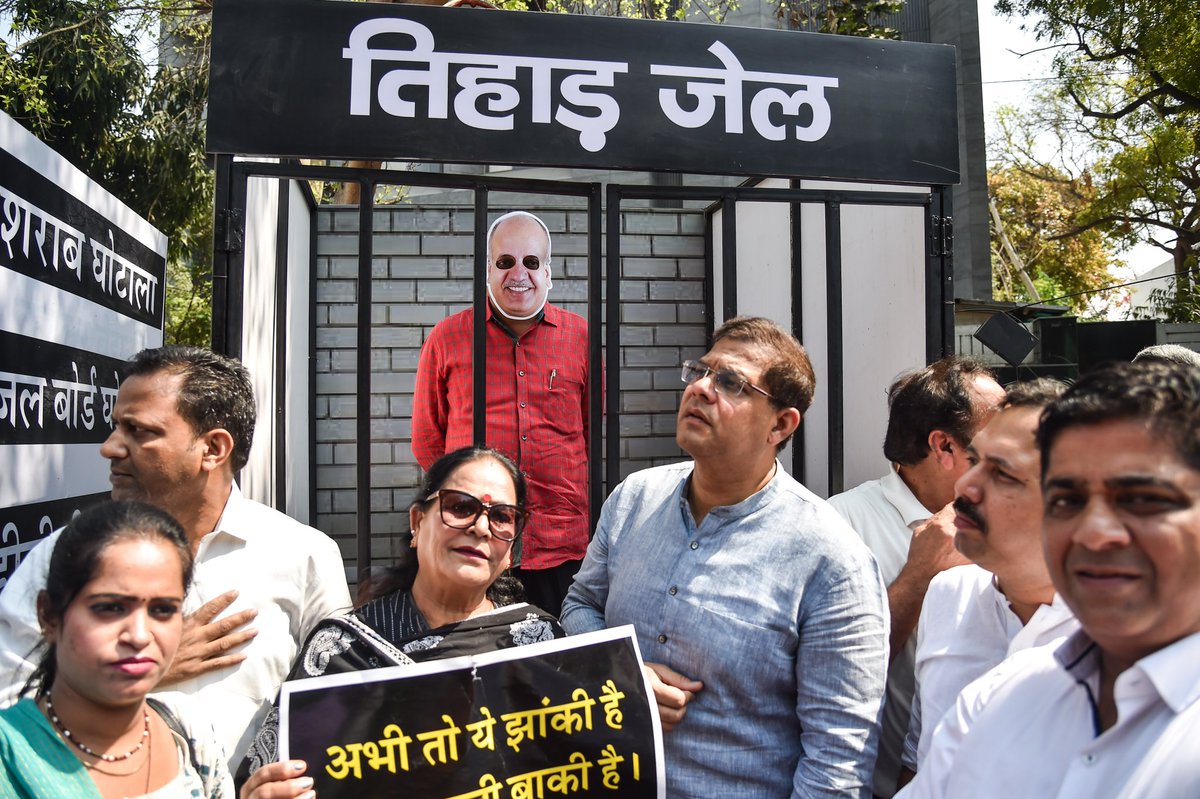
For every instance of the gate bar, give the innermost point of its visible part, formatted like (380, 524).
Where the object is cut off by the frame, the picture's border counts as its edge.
(362, 455)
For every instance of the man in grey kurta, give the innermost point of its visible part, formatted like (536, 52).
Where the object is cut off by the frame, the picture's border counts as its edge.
(760, 614)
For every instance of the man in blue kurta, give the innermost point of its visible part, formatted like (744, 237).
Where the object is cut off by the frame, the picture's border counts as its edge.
(760, 613)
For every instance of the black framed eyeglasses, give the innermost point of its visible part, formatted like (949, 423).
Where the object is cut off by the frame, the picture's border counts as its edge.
(506, 262)
(460, 510)
(727, 382)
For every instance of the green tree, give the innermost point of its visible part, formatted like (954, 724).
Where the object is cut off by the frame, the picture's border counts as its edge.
(1122, 125)
(1156, 43)
(845, 17)
(1035, 213)
(76, 75)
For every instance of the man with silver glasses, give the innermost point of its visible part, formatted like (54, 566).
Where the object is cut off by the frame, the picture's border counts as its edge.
(760, 614)
(537, 400)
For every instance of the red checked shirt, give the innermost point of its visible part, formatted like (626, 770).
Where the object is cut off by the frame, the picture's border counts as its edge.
(536, 414)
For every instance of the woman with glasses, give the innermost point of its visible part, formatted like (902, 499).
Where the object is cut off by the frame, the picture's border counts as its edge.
(451, 594)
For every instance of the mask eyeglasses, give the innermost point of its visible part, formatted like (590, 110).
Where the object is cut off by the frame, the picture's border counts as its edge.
(728, 383)
(506, 262)
(460, 511)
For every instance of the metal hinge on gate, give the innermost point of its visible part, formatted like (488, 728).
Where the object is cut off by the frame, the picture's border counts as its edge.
(229, 230)
(943, 236)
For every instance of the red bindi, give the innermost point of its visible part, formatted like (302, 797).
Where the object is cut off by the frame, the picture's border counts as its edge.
(487, 498)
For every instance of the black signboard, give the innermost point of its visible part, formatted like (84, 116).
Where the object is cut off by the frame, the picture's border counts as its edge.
(566, 717)
(52, 236)
(320, 78)
(22, 527)
(52, 393)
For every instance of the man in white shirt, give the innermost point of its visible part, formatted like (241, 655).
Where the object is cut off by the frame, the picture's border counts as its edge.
(1114, 711)
(183, 426)
(905, 518)
(976, 615)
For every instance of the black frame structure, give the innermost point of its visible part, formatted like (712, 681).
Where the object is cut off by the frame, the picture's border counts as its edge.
(229, 273)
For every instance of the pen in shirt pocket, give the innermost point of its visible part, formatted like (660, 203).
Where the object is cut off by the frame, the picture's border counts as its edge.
(553, 374)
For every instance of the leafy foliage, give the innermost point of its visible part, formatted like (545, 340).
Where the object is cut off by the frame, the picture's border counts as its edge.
(846, 17)
(1121, 126)
(1036, 213)
(75, 74)
(1155, 43)
(1168, 305)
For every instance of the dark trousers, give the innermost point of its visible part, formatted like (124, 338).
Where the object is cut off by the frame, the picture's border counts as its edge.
(547, 588)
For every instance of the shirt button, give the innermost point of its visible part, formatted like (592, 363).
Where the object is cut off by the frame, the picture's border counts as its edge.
(522, 405)
(521, 373)
(674, 590)
(662, 639)
(1089, 759)
(695, 545)
(524, 437)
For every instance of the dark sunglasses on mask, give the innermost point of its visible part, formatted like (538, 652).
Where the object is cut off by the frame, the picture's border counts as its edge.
(506, 262)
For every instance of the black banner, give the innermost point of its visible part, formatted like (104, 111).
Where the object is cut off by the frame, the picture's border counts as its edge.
(319, 78)
(51, 236)
(23, 526)
(54, 394)
(567, 717)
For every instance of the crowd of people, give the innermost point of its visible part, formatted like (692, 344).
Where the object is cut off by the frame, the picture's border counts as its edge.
(1012, 610)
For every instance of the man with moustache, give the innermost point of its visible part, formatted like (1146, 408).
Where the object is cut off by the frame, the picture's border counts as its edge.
(759, 613)
(1114, 711)
(183, 424)
(974, 616)
(905, 519)
(537, 400)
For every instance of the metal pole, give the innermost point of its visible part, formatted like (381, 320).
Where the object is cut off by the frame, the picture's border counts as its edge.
(595, 372)
(479, 340)
(366, 208)
(833, 302)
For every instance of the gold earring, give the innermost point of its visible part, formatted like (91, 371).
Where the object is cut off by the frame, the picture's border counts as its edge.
(412, 544)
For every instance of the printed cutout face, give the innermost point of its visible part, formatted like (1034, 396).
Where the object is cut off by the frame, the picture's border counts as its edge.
(519, 291)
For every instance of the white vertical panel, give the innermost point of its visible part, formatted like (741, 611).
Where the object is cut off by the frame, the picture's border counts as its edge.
(814, 336)
(258, 331)
(883, 318)
(764, 265)
(299, 387)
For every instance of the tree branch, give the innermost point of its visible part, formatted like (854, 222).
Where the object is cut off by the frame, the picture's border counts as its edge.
(1118, 114)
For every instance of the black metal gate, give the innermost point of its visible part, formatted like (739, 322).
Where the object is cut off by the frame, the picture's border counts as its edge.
(604, 453)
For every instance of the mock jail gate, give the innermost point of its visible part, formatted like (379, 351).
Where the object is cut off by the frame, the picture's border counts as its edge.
(828, 211)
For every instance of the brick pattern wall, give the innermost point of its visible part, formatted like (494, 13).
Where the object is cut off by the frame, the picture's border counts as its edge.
(422, 267)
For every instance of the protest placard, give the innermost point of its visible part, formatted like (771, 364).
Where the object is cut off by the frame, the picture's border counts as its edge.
(572, 716)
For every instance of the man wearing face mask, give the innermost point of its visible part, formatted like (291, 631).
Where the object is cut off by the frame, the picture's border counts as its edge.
(537, 400)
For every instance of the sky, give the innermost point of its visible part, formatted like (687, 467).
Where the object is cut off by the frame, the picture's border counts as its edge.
(1013, 63)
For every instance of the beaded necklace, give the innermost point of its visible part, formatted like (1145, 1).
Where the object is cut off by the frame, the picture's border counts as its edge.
(87, 749)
